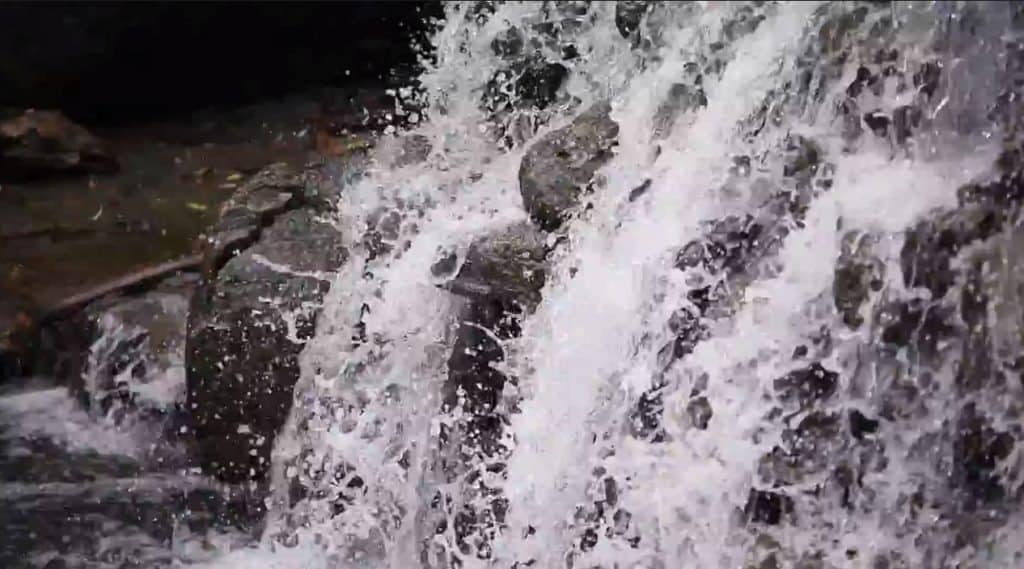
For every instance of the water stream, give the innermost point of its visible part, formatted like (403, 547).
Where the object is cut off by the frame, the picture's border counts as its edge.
(804, 397)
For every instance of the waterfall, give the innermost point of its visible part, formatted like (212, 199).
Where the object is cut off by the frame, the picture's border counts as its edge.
(749, 349)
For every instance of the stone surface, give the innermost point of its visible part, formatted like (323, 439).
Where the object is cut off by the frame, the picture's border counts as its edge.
(733, 252)
(39, 144)
(265, 195)
(628, 14)
(681, 98)
(121, 351)
(557, 167)
(527, 83)
(136, 358)
(857, 275)
(247, 326)
(501, 277)
(932, 244)
(507, 266)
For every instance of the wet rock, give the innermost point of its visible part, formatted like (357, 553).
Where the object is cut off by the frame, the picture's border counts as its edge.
(557, 167)
(247, 325)
(834, 33)
(977, 450)
(507, 266)
(857, 274)
(930, 247)
(927, 78)
(474, 385)
(508, 43)
(267, 194)
(688, 328)
(474, 435)
(645, 418)
(700, 412)
(805, 449)
(905, 120)
(735, 245)
(528, 83)
(807, 385)
(745, 22)
(769, 508)
(501, 278)
(628, 14)
(863, 79)
(682, 98)
(640, 190)
(140, 514)
(918, 325)
(136, 356)
(860, 425)
(878, 122)
(736, 249)
(39, 144)
(803, 157)
(521, 96)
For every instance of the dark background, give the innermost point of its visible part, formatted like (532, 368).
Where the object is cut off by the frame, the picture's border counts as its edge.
(115, 63)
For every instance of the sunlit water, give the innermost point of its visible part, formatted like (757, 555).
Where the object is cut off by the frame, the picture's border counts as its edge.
(576, 484)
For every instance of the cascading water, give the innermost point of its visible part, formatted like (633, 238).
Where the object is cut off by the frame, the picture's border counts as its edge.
(778, 328)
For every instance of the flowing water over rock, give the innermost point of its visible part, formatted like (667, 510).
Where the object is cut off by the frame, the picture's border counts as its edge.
(675, 285)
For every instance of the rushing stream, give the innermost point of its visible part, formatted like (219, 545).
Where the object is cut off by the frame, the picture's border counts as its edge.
(779, 326)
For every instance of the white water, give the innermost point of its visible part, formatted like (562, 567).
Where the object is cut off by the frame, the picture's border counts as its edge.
(370, 412)
(590, 348)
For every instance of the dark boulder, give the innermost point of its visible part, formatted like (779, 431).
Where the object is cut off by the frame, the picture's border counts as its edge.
(267, 194)
(557, 167)
(628, 14)
(526, 83)
(249, 320)
(37, 144)
(769, 508)
(930, 247)
(506, 266)
(807, 385)
(501, 277)
(518, 94)
(136, 355)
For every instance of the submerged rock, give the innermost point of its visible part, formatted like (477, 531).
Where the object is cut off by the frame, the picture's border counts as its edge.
(46, 143)
(557, 167)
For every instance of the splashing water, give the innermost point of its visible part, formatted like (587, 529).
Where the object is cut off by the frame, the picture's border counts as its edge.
(799, 394)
